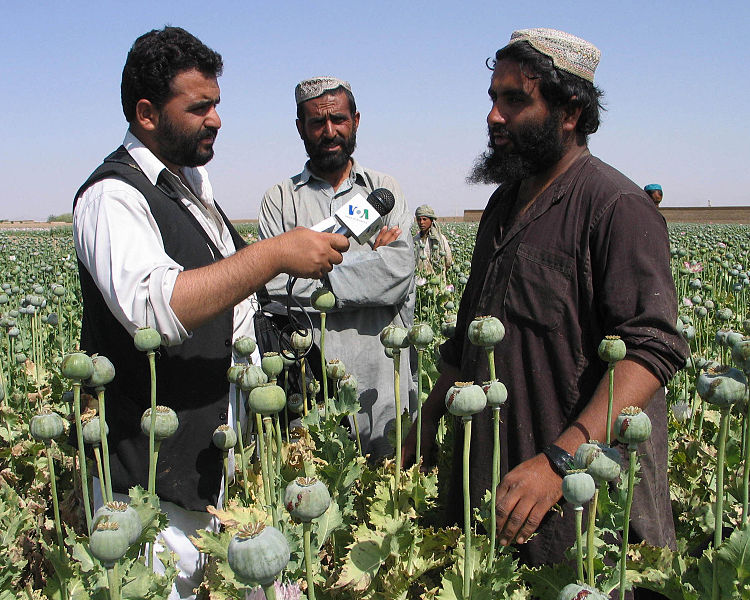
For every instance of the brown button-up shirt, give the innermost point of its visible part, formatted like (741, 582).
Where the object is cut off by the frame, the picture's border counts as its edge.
(589, 258)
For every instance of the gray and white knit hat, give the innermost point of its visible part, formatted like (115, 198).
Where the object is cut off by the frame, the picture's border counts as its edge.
(317, 86)
(568, 52)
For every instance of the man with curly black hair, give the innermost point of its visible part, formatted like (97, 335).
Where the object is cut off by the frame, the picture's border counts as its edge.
(155, 250)
(568, 251)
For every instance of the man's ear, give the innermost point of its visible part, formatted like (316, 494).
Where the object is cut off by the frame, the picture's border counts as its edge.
(570, 115)
(146, 115)
(356, 121)
(300, 128)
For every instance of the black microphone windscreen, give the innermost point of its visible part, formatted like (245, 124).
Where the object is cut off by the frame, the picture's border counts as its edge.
(383, 200)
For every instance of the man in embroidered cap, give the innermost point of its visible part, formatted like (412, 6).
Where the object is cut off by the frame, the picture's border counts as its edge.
(432, 249)
(568, 251)
(374, 286)
(654, 192)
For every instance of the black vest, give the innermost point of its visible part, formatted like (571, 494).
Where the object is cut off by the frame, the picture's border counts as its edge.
(191, 377)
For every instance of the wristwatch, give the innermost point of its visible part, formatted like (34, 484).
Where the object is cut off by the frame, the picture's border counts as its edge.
(559, 459)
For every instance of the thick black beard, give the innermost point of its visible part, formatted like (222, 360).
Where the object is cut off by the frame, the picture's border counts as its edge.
(535, 149)
(324, 162)
(181, 148)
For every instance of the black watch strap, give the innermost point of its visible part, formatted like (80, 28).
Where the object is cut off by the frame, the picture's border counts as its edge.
(559, 459)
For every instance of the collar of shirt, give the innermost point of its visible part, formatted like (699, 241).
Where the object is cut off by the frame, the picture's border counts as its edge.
(307, 177)
(198, 194)
(152, 167)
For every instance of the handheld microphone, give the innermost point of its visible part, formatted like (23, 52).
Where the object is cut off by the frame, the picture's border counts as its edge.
(360, 217)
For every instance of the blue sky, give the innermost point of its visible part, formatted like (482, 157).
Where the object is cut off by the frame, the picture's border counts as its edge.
(674, 76)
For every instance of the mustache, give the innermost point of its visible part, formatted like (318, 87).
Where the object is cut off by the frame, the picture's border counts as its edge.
(498, 130)
(335, 140)
(209, 133)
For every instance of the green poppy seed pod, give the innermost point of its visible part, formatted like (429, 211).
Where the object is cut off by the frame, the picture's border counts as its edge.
(266, 399)
(146, 339)
(301, 341)
(600, 461)
(579, 591)
(46, 426)
(124, 515)
(77, 366)
(448, 326)
(578, 487)
(14, 332)
(721, 386)
(696, 300)
(272, 364)
(394, 337)
(92, 433)
(295, 403)
(224, 437)
(251, 377)
(465, 399)
(244, 346)
(58, 290)
(496, 392)
(322, 299)
(306, 498)
(720, 337)
(335, 369)
(258, 554)
(486, 331)
(611, 349)
(4, 299)
(741, 353)
(348, 388)
(688, 333)
(21, 358)
(746, 326)
(450, 305)
(166, 422)
(234, 372)
(108, 543)
(288, 359)
(709, 304)
(701, 311)
(104, 372)
(724, 314)
(420, 335)
(633, 426)
(52, 319)
(733, 337)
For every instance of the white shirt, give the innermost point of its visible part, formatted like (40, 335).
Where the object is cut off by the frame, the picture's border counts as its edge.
(119, 243)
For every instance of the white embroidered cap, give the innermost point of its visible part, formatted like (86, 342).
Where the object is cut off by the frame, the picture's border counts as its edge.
(568, 52)
(317, 86)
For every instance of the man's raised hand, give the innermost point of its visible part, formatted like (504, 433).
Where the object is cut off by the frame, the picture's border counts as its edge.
(309, 254)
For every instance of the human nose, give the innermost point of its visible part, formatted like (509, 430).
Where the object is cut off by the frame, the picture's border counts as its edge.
(328, 129)
(495, 117)
(213, 119)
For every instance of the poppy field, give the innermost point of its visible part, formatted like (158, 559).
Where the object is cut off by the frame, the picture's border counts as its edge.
(306, 515)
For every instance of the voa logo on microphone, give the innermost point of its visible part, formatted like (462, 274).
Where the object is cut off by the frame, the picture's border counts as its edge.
(358, 212)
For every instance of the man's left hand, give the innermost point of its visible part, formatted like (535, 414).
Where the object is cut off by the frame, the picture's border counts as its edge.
(386, 236)
(524, 497)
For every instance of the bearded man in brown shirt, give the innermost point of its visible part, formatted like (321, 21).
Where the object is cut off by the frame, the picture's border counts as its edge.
(568, 250)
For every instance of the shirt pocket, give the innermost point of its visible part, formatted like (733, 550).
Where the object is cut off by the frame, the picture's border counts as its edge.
(539, 286)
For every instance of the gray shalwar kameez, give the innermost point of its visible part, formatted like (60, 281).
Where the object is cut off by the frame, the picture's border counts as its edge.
(373, 288)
